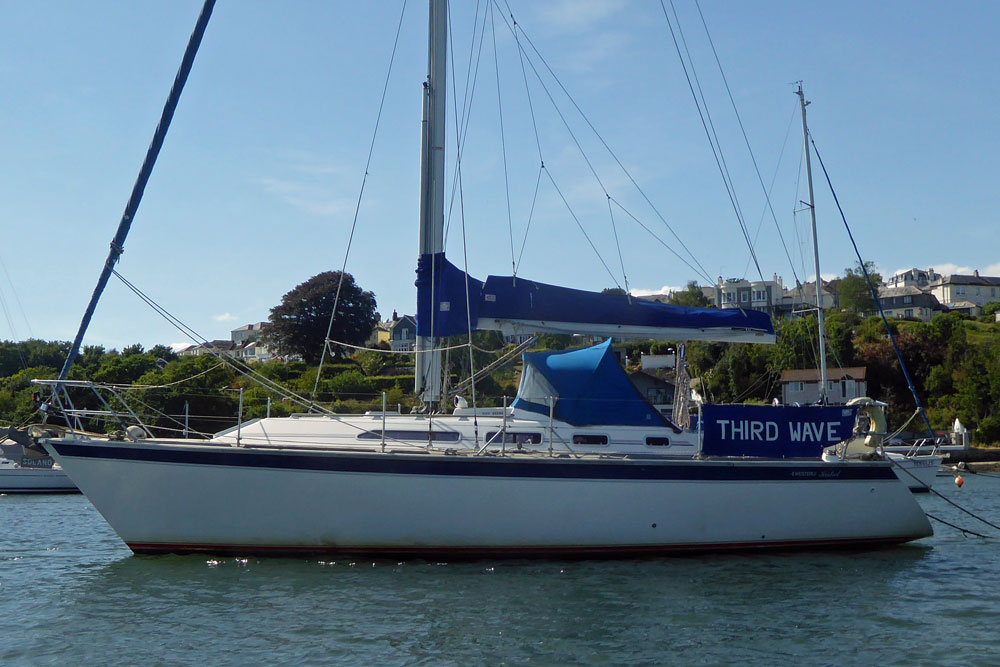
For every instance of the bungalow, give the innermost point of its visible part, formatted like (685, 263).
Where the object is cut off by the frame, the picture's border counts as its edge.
(802, 385)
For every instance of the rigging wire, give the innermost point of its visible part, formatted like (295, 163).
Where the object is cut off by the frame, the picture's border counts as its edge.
(357, 207)
(874, 293)
(767, 206)
(722, 73)
(242, 369)
(503, 142)
(463, 122)
(17, 300)
(719, 161)
(516, 27)
(584, 231)
(653, 234)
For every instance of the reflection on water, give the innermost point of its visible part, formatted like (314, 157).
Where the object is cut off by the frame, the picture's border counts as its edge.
(79, 596)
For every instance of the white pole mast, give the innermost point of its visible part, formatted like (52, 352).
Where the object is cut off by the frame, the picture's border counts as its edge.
(819, 281)
(428, 366)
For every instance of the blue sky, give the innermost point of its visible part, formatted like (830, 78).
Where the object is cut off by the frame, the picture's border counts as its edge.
(256, 187)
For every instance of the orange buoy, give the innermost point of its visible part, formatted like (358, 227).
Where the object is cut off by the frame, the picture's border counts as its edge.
(959, 481)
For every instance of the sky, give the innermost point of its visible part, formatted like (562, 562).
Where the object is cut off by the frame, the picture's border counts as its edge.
(256, 188)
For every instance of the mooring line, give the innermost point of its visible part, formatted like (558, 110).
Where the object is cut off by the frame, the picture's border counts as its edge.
(959, 528)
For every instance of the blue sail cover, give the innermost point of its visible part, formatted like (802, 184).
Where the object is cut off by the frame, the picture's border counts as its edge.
(507, 303)
(589, 387)
(776, 432)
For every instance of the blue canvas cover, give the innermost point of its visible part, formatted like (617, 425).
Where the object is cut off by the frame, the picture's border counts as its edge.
(776, 432)
(589, 386)
(506, 298)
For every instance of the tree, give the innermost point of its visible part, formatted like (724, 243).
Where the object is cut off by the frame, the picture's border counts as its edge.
(614, 290)
(299, 323)
(853, 289)
(690, 296)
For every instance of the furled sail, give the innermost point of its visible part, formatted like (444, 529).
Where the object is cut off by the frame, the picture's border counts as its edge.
(518, 306)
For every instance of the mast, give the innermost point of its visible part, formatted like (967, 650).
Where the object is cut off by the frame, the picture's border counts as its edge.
(428, 367)
(819, 283)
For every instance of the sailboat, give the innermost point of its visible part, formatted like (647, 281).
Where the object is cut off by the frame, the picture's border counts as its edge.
(846, 432)
(578, 465)
(28, 470)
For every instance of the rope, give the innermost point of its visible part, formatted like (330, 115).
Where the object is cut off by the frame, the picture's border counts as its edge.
(959, 528)
(357, 208)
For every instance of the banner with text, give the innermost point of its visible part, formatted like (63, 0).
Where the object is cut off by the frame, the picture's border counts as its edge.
(785, 431)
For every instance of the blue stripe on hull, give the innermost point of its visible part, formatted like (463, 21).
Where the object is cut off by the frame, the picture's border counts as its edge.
(466, 466)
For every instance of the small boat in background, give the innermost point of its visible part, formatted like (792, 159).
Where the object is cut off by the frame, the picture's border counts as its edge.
(25, 470)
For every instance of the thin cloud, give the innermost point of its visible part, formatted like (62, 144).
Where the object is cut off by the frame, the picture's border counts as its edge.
(225, 317)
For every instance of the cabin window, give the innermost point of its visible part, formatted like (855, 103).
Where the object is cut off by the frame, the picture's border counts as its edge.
(399, 434)
(657, 441)
(589, 439)
(515, 438)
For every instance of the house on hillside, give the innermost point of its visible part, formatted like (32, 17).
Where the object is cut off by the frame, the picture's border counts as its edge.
(380, 334)
(402, 333)
(956, 288)
(913, 278)
(908, 302)
(213, 347)
(802, 385)
(249, 344)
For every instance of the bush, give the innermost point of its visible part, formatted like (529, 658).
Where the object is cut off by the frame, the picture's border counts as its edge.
(988, 431)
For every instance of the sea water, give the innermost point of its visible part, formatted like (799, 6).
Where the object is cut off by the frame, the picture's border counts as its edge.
(72, 593)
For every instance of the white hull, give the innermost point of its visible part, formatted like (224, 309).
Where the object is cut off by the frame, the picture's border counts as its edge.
(175, 497)
(917, 472)
(14, 479)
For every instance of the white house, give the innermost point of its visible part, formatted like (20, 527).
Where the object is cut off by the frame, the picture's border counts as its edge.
(802, 385)
(956, 288)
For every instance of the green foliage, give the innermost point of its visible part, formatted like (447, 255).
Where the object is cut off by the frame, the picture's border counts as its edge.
(555, 342)
(853, 291)
(691, 296)
(299, 323)
(30, 354)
